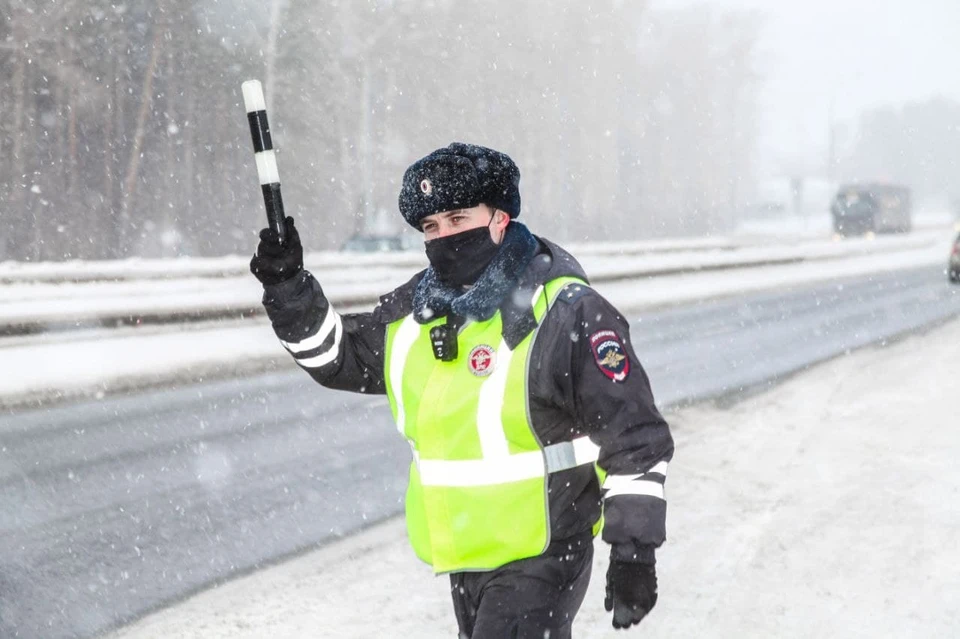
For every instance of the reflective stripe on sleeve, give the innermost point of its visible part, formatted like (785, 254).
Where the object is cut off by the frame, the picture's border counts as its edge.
(636, 484)
(614, 482)
(637, 487)
(566, 455)
(659, 467)
(315, 341)
(328, 355)
(585, 451)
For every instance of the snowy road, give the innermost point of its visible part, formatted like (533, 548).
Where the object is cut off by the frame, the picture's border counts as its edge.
(826, 507)
(109, 509)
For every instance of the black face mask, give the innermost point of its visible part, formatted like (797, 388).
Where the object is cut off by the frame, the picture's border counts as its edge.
(460, 259)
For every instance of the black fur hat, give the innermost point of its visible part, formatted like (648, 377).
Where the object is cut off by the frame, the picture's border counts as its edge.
(459, 176)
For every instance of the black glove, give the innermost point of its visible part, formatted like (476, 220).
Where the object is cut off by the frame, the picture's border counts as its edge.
(631, 592)
(276, 262)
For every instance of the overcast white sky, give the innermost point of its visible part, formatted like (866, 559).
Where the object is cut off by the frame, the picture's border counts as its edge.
(860, 52)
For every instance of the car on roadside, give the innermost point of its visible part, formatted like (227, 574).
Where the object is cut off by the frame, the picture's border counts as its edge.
(953, 267)
(862, 208)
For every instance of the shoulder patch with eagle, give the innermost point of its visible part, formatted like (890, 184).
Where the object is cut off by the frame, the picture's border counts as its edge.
(610, 355)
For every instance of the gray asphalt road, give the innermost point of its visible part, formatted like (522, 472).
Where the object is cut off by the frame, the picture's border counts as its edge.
(109, 509)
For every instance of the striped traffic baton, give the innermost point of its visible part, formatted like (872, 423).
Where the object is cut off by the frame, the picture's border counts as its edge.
(264, 154)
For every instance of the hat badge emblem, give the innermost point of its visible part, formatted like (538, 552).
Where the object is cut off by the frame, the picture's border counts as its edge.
(426, 186)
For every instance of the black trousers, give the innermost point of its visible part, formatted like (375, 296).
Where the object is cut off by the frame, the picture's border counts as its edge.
(533, 598)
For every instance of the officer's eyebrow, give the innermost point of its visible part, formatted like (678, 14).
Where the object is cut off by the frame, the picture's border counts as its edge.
(446, 215)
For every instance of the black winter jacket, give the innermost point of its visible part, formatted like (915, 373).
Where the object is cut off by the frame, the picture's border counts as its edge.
(579, 384)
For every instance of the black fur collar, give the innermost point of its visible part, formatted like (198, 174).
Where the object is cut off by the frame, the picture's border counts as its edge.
(434, 299)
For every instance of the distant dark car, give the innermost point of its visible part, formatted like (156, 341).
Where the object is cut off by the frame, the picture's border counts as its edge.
(953, 268)
(378, 243)
(872, 208)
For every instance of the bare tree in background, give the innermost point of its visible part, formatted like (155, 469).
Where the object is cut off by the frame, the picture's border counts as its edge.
(125, 133)
(140, 128)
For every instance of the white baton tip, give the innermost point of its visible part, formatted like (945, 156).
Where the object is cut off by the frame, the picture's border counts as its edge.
(253, 96)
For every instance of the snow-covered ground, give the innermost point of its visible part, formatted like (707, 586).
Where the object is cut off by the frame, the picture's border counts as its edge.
(57, 365)
(786, 230)
(141, 293)
(137, 269)
(824, 507)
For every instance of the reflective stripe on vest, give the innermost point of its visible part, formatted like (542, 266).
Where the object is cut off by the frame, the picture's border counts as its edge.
(487, 471)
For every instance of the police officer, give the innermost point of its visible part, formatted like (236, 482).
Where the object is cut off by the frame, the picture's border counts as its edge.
(531, 421)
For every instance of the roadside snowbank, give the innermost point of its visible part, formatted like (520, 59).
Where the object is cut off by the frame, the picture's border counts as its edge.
(825, 507)
(52, 306)
(56, 366)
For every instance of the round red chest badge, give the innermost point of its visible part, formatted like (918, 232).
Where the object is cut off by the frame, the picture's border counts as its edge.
(481, 360)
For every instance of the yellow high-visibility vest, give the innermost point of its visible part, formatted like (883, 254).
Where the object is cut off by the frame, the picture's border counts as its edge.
(477, 495)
